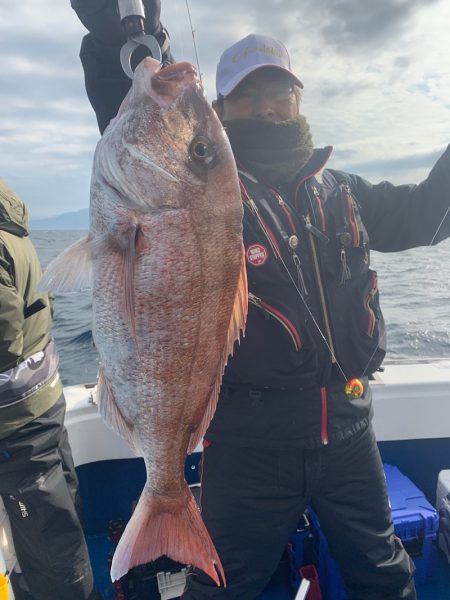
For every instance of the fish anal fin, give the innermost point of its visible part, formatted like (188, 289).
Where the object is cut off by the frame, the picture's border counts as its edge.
(70, 271)
(199, 431)
(170, 526)
(235, 328)
(111, 413)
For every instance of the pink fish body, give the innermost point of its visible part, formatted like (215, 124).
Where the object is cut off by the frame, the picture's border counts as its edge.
(169, 295)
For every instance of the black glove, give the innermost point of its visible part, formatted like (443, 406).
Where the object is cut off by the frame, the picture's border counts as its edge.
(106, 83)
(101, 18)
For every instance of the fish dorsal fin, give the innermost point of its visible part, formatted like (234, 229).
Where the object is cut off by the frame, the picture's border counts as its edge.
(236, 326)
(70, 271)
(110, 412)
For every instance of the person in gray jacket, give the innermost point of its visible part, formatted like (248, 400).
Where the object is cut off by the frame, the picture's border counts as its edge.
(38, 482)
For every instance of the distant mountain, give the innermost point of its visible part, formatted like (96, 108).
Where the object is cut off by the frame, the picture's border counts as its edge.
(71, 220)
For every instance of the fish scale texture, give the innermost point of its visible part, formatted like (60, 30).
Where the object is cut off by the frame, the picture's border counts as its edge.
(169, 296)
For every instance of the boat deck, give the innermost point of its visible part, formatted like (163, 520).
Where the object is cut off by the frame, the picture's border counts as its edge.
(101, 494)
(412, 424)
(437, 588)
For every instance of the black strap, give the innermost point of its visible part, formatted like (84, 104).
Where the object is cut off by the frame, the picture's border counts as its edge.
(38, 305)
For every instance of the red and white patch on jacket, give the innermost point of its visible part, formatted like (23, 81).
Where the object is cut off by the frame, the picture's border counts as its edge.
(257, 255)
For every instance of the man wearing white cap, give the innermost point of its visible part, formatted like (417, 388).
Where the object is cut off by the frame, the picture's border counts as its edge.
(286, 434)
(293, 423)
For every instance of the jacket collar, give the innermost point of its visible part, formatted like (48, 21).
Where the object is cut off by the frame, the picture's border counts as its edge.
(315, 164)
(312, 168)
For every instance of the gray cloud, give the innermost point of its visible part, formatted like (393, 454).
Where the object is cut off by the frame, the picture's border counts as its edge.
(341, 90)
(48, 130)
(348, 28)
(402, 62)
(346, 25)
(392, 168)
(353, 24)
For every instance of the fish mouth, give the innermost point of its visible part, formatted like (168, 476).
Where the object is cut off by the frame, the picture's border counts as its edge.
(170, 80)
(176, 72)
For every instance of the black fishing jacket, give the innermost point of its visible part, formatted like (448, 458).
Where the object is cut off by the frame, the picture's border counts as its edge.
(314, 319)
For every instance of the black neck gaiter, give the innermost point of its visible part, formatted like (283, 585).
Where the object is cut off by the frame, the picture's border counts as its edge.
(272, 151)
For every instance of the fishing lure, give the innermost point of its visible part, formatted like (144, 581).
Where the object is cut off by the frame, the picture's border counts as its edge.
(354, 388)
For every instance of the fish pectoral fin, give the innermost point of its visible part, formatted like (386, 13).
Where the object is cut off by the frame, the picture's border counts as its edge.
(70, 271)
(171, 526)
(236, 326)
(124, 242)
(111, 413)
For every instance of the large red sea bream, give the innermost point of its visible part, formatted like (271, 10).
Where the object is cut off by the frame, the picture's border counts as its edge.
(164, 257)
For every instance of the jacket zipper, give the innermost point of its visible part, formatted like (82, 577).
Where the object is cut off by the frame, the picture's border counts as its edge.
(312, 243)
(285, 209)
(291, 243)
(324, 416)
(351, 216)
(369, 297)
(250, 203)
(319, 207)
(282, 319)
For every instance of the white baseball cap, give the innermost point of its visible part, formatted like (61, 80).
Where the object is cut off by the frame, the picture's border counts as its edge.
(248, 55)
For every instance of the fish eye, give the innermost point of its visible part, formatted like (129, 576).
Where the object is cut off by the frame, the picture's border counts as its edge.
(202, 151)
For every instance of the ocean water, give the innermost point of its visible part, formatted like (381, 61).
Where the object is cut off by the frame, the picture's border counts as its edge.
(415, 298)
(72, 317)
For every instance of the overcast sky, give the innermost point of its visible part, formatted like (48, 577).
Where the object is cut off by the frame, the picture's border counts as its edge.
(376, 76)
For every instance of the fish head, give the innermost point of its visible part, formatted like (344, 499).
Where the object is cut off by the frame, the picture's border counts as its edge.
(166, 148)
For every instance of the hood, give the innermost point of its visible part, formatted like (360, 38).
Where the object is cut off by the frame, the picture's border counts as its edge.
(13, 212)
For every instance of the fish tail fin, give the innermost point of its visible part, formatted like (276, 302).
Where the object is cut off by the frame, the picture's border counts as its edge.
(167, 526)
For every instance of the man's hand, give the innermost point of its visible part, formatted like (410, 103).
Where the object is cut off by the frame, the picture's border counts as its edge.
(152, 16)
(105, 80)
(101, 18)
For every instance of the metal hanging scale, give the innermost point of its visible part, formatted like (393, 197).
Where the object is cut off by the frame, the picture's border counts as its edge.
(132, 15)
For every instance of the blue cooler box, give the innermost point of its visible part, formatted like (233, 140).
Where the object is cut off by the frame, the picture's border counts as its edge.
(415, 522)
(443, 508)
